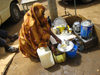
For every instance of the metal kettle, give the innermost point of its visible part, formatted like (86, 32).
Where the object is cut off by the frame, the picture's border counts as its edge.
(77, 27)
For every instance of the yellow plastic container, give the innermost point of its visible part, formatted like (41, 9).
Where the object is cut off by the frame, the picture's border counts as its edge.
(61, 29)
(70, 30)
(59, 57)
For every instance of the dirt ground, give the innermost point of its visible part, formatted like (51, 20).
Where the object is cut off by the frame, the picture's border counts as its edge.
(84, 64)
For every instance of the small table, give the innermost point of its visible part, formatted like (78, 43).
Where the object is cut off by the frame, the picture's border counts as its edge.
(66, 36)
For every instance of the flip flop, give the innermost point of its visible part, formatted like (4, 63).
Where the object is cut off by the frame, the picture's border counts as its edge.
(12, 50)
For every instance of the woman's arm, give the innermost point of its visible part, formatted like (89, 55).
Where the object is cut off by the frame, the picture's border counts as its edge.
(56, 38)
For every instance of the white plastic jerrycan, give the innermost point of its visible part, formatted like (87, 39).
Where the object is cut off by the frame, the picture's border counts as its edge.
(46, 57)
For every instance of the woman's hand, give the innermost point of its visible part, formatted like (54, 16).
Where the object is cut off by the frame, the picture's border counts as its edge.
(56, 38)
(53, 48)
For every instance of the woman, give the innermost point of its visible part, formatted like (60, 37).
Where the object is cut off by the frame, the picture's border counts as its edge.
(35, 31)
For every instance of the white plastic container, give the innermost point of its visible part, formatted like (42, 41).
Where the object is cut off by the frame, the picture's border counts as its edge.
(46, 57)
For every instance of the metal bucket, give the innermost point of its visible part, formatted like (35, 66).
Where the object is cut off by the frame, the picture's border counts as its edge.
(77, 27)
(86, 29)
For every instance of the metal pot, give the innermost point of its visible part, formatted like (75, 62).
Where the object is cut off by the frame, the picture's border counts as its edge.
(77, 27)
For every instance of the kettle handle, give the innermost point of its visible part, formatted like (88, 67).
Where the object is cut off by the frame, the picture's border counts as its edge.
(89, 21)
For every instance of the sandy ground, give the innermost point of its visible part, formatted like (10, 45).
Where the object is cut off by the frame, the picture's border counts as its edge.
(84, 64)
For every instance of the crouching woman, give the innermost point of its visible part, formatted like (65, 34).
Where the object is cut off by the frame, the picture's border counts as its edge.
(35, 31)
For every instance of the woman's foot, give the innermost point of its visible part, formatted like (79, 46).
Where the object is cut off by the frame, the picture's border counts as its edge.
(12, 50)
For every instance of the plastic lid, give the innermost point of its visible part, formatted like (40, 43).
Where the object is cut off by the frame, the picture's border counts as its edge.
(76, 23)
(86, 23)
(67, 48)
(59, 22)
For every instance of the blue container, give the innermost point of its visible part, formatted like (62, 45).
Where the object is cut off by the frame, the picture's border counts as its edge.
(72, 53)
(79, 44)
(86, 29)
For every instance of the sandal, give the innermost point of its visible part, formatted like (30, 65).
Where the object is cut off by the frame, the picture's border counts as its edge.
(12, 49)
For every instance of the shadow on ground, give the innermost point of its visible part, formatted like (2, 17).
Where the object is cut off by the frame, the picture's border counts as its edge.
(33, 59)
(8, 23)
(79, 4)
(12, 27)
(76, 61)
(54, 68)
(3, 56)
(92, 49)
(70, 61)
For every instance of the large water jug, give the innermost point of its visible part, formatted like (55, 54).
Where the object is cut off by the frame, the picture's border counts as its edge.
(46, 57)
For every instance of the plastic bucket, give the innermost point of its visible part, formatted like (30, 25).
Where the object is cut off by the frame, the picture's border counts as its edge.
(59, 58)
(72, 53)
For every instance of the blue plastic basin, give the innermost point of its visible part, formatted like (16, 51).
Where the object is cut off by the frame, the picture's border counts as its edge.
(72, 53)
